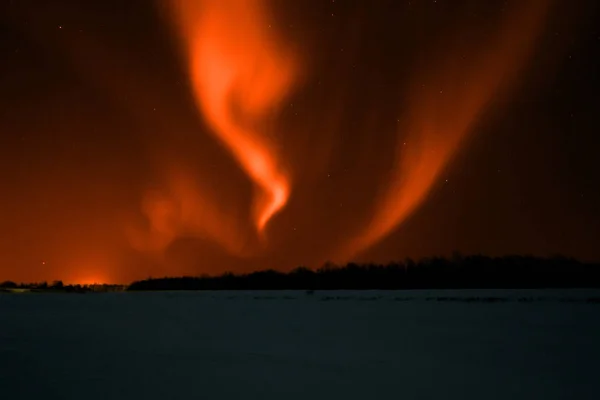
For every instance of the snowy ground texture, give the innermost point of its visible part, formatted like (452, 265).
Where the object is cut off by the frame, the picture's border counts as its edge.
(286, 345)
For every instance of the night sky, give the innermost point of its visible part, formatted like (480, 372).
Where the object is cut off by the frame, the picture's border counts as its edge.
(149, 138)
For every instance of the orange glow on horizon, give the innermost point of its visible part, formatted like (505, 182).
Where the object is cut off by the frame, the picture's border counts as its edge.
(239, 73)
(84, 277)
(87, 282)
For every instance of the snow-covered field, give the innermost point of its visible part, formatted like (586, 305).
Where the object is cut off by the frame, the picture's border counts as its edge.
(292, 345)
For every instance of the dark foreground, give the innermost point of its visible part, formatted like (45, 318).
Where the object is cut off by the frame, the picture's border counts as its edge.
(492, 344)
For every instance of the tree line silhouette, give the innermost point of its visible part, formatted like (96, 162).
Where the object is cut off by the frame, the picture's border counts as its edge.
(57, 287)
(457, 272)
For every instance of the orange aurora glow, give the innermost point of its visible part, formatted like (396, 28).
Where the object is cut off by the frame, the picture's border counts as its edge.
(220, 176)
(443, 108)
(182, 210)
(239, 73)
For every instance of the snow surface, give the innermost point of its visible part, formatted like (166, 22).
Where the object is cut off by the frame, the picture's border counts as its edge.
(292, 345)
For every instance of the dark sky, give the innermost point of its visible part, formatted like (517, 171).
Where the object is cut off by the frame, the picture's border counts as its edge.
(142, 138)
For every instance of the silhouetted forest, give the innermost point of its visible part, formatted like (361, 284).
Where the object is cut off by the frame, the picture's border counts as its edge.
(56, 287)
(458, 272)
